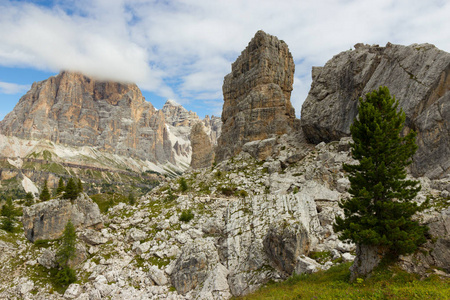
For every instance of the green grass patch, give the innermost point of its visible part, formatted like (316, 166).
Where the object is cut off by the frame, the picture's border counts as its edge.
(107, 200)
(386, 283)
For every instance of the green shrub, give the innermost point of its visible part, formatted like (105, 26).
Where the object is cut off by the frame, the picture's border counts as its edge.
(183, 184)
(242, 194)
(186, 215)
(227, 191)
(65, 276)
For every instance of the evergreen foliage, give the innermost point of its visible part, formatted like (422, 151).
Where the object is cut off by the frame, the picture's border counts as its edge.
(71, 191)
(380, 209)
(9, 214)
(67, 249)
(131, 199)
(183, 184)
(60, 189)
(29, 199)
(65, 253)
(45, 194)
(79, 186)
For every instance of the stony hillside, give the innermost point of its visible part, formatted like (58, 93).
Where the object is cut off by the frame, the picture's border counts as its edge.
(224, 231)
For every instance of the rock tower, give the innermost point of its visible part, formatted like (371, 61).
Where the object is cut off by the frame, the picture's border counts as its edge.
(257, 95)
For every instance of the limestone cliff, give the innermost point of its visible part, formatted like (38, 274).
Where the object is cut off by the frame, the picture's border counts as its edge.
(257, 95)
(418, 76)
(76, 110)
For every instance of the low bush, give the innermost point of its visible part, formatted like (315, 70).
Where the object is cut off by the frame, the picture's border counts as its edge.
(186, 216)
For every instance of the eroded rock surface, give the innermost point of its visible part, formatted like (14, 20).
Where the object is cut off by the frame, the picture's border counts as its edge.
(257, 95)
(418, 76)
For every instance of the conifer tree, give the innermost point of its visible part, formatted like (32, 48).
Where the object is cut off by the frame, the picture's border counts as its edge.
(65, 253)
(79, 186)
(131, 199)
(380, 208)
(45, 194)
(71, 191)
(60, 189)
(9, 214)
(29, 199)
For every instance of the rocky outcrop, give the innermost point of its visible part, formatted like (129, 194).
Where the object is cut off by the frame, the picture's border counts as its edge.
(257, 95)
(418, 76)
(202, 149)
(74, 109)
(46, 220)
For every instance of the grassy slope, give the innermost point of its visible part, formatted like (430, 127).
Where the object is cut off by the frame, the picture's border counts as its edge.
(386, 283)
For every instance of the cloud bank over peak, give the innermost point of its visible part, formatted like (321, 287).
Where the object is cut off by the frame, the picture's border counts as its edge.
(183, 49)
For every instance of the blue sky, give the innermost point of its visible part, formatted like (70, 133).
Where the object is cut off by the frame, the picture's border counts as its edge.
(181, 50)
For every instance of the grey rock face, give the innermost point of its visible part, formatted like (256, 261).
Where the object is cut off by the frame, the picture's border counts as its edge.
(46, 220)
(418, 76)
(257, 95)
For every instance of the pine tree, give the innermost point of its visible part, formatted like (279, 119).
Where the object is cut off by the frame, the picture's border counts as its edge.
(45, 194)
(9, 214)
(71, 191)
(66, 275)
(29, 199)
(60, 188)
(131, 199)
(67, 249)
(79, 186)
(380, 209)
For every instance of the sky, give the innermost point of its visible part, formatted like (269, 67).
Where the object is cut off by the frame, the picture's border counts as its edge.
(181, 50)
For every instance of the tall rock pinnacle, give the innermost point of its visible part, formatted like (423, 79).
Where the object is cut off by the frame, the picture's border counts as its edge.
(257, 95)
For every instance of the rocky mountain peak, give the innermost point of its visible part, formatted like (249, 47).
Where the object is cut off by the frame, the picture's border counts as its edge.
(257, 95)
(177, 115)
(74, 109)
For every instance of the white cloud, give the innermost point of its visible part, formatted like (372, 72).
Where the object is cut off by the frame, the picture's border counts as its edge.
(13, 88)
(183, 49)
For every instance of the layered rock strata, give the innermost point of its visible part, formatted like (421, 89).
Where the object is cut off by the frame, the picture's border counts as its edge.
(76, 110)
(418, 76)
(257, 95)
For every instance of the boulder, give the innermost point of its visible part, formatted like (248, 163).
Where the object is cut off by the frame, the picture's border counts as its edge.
(46, 220)
(418, 76)
(257, 95)
(93, 237)
(47, 259)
